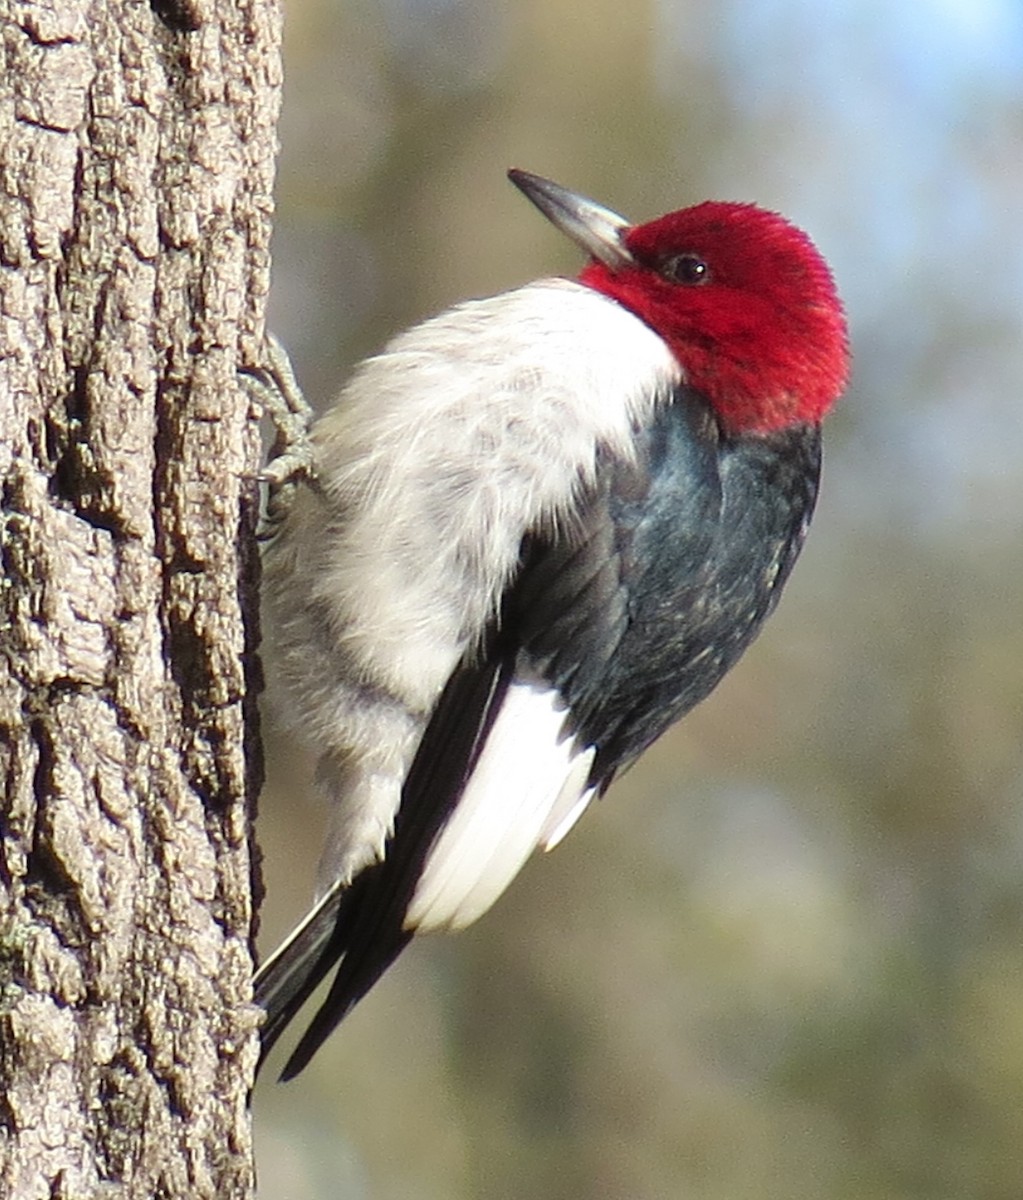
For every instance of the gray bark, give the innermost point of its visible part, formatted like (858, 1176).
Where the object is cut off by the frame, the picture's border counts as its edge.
(136, 155)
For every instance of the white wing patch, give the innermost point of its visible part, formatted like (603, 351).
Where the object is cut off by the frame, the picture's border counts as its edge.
(570, 804)
(528, 789)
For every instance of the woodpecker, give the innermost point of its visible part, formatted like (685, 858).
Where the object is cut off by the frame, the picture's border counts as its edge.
(541, 528)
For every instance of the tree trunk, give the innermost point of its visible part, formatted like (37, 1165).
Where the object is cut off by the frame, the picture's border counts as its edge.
(135, 179)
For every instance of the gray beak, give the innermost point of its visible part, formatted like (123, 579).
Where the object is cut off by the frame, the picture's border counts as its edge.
(595, 228)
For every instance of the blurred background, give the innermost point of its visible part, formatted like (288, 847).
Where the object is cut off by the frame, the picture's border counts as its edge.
(784, 957)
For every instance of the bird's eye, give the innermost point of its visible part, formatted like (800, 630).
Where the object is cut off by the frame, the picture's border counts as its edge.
(689, 269)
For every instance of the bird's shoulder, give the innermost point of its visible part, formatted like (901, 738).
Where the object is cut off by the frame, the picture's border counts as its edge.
(676, 557)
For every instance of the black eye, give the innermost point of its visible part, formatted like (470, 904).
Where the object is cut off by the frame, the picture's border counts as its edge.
(689, 269)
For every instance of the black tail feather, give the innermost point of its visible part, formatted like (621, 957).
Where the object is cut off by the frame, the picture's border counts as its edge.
(286, 980)
(361, 926)
(356, 975)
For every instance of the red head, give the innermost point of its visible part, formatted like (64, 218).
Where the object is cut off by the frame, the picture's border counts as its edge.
(743, 299)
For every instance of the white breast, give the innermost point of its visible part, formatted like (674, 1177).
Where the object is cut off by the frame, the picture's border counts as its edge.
(467, 431)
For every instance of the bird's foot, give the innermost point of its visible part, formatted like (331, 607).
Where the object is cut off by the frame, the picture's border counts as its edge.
(274, 389)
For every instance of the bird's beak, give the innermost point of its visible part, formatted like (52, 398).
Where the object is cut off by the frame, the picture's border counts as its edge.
(595, 228)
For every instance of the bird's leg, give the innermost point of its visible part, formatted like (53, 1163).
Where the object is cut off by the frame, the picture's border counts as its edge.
(275, 390)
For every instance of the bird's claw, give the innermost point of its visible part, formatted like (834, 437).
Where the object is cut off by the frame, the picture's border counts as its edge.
(273, 388)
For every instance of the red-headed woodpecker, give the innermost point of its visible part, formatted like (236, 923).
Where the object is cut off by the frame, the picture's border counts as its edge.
(543, 526)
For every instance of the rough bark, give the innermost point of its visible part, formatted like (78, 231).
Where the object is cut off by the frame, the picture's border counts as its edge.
(135, 176)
